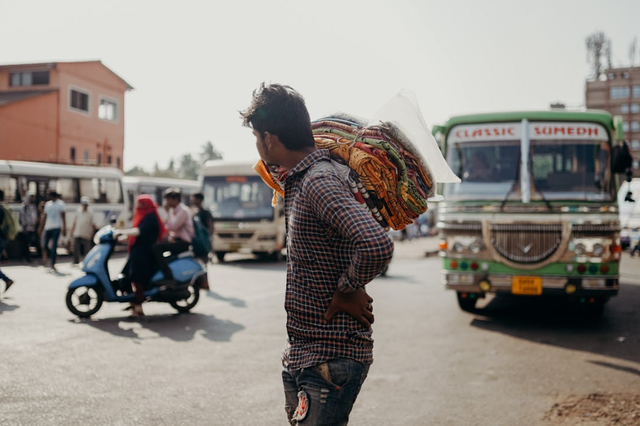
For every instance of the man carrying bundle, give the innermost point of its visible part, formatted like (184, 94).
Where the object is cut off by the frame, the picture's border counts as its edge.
(334, 248)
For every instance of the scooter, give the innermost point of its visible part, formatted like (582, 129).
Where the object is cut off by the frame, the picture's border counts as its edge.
(86, 294)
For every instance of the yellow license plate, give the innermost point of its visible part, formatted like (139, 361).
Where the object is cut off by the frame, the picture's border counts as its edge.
(235, 247)
(529, 286)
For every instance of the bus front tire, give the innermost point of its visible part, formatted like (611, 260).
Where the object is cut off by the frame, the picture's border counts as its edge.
(220, 256)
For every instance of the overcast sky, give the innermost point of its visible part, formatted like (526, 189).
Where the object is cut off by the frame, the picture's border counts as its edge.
(194, 64)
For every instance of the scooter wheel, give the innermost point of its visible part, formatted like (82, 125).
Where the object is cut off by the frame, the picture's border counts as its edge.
(185, 305)
(84, 301)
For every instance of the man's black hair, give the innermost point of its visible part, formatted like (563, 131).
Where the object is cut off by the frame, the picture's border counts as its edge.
(281, 111)
(198, 196)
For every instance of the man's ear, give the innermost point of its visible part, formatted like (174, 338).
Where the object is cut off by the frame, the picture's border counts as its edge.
(271, 140)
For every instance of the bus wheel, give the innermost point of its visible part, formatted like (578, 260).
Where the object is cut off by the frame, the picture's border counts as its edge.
(220, 256)
(467, 301)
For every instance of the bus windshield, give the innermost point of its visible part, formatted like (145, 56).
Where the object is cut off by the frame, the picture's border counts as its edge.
(488, 169)
(238, 198)
(575, 170)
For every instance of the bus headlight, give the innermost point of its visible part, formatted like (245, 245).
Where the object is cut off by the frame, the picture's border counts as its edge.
(580, 249)
(475, 247)
(458, 247)
(598, 249)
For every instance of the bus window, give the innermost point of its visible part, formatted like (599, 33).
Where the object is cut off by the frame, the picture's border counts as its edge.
(101, 190)
(111, 190)
(67, 188)
(9, 186)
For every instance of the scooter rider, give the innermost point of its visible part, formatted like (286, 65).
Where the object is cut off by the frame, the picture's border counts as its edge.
(147, 230)
(179, 225)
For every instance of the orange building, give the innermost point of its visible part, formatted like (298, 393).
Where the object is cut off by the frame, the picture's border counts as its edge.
(62, 112)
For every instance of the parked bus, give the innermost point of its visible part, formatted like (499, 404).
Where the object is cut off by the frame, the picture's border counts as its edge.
(240, 203)
(155, 187)
(536, 212)
(102, 185)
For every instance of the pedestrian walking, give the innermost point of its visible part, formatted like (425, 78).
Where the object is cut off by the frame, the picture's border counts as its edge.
(82, 230)
(334, 248)
(7, 229)
(28, 218)
(203, 230)
(53, 223)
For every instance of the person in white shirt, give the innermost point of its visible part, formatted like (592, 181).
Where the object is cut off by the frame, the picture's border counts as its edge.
(82, 230)
(54, 223)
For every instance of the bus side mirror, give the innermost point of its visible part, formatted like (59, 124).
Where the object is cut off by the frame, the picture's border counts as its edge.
(621, 159)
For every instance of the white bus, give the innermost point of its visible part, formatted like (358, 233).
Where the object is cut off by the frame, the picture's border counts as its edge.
(240, 203)
(154, 186)
(102, 185)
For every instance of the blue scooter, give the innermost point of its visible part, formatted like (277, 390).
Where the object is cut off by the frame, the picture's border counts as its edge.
(86, 294)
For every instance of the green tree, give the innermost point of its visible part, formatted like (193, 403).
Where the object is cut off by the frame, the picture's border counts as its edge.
(189, 168)
(209, 152)
(169, 172)
(137, 171)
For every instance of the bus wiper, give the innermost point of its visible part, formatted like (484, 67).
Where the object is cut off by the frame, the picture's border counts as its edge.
(533, 179)
(513, 186)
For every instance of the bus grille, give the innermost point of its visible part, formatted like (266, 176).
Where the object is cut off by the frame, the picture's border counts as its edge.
(592, 230)
(526, 243)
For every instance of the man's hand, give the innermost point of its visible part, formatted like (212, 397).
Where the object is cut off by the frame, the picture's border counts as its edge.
(356, 304)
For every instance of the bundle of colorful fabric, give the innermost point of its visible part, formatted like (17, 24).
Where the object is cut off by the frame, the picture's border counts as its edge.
(388, 176)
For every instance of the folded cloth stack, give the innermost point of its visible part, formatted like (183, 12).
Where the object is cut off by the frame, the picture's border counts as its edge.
(388, 176)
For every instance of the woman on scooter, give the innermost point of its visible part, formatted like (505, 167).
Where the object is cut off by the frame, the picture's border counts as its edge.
(147, 231)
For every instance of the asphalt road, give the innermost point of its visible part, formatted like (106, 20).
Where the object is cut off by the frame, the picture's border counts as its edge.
(434, 365)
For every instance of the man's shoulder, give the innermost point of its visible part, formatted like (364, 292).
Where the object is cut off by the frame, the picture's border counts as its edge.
(322, 172)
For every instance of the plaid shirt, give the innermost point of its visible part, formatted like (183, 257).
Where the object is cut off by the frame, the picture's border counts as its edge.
(332, 241)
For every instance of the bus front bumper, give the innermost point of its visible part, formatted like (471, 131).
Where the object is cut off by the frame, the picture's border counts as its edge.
(587, 286)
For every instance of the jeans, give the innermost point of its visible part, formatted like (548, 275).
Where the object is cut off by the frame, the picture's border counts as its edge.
(3, 245)
(52, 235)
(174, 248)
(330, 388)
(80, 246)
(28, 239)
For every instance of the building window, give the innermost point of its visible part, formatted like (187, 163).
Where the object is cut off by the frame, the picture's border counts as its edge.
(635, 144)
(635, 126)
(625, 127)
(611, 76)
(624, 109)
(636, 91)
(625, 74)
(108, 110)
(72, 155)
(86, 156)
(79, 100)
(118, 162)
(635, 108)
(99, 158)
(108, 159)
(635, 164)
(29, 78)
(620, 92)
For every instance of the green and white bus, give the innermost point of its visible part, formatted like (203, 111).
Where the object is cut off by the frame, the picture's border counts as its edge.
(536, 211)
